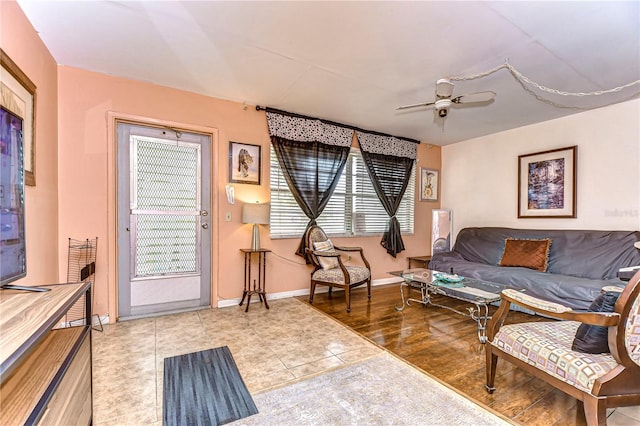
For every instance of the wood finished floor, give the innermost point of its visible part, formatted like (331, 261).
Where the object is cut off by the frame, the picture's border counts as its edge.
(445, 344)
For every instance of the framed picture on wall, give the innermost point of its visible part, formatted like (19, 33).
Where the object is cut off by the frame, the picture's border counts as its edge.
(428, 184)
(18, 95)
(244, 163)
(547, 184)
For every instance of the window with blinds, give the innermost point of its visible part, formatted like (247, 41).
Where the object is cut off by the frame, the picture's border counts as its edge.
(354, 208)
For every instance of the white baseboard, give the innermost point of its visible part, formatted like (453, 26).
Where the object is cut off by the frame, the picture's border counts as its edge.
(224, 303)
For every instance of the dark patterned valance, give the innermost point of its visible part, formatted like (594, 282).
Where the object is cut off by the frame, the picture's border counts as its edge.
(387, 145)
(308, 130)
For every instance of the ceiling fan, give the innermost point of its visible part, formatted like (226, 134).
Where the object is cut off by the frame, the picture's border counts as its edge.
(444, 90)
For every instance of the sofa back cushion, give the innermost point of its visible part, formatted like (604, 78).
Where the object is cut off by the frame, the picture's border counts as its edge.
(587, 254)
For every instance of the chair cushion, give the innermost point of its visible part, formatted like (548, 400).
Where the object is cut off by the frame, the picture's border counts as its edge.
(356, 274)
(326, 262)
(546, 345)
(593, 339)
(532, 254)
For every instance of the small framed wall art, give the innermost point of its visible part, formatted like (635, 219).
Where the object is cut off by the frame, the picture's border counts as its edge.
(547, 184)
(428, 184)
(244, 163)
(18, 95)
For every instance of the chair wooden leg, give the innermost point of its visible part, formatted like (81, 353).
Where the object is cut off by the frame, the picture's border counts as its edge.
(312, 291)
(347, 295)
(369, 288)
(490, 368)
(595, 411)
(330, 289)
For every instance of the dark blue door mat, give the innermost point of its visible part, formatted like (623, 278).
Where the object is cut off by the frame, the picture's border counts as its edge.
(204, 388)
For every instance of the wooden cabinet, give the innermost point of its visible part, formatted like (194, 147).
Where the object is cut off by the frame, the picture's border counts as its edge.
(45, 367)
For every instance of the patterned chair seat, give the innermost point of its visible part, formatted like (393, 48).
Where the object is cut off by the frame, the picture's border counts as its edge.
(356, 274)
(544, 346)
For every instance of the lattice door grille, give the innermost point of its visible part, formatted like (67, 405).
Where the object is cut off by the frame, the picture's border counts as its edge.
(166, 176)
(165, 206)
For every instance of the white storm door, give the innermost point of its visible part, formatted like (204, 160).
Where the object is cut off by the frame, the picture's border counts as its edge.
(163, 221)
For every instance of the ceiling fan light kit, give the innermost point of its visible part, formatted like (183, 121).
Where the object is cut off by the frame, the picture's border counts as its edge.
(442, 106)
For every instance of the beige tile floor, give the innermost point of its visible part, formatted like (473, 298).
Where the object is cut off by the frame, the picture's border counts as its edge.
(271, 348)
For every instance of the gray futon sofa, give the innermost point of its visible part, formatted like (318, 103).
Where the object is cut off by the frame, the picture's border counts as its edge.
(580, 263)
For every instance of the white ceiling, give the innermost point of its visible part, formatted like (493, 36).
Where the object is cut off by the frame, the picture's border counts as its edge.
(355, 62)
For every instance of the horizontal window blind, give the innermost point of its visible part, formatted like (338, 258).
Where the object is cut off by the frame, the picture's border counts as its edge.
(354, 208)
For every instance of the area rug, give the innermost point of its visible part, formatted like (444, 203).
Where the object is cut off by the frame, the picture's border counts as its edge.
(381, 390)
(204, 388)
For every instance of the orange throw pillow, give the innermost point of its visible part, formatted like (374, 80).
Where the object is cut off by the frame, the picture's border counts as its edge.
(532, 254)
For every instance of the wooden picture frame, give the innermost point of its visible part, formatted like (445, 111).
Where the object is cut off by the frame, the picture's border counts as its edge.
(245, 163)
(547, 184)
(18, 95)
(429, 181)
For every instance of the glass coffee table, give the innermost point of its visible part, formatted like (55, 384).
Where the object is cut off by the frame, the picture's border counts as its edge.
(427, 282)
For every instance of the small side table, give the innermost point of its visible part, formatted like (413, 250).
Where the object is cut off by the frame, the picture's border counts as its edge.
(422, 261)
(259, 286)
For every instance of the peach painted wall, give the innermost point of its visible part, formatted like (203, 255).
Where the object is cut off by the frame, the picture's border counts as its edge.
(21, 43)
(87, 200)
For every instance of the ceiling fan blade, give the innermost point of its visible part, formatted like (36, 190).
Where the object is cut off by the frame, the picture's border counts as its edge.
(444, 88)
(415, 106)
(474, 97)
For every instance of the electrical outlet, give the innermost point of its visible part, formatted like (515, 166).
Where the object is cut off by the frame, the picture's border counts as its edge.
(228, 217)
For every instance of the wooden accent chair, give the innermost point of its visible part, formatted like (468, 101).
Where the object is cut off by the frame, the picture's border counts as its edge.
(328, 268)
(599, 381)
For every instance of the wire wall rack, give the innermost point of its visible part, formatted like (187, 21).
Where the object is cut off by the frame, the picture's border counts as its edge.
(81, 267)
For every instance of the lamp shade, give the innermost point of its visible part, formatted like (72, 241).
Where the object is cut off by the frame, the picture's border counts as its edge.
(256, 213)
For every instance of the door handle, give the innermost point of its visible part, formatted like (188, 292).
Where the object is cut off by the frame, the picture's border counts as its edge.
(205, 226)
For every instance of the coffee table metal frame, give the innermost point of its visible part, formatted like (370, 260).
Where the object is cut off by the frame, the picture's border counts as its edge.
(424, 281)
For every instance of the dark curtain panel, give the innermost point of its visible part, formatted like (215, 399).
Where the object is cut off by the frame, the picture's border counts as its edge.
(390, 176)
(312, 171)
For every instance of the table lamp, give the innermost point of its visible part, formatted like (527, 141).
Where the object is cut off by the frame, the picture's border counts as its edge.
(256, 214)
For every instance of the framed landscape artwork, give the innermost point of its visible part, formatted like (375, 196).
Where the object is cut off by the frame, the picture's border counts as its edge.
(244, 163)
(547, 184)
(18, 95)
(428, 184)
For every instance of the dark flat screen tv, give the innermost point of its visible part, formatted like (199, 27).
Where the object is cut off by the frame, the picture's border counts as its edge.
(13, 262)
